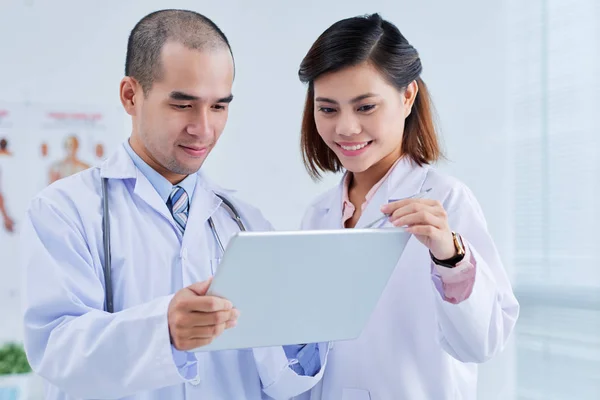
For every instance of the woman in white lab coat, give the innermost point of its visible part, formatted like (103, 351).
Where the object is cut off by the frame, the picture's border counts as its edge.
(449, 304)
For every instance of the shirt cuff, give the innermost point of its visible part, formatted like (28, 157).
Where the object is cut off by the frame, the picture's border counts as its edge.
(186, 364)
(455, 285)
(304, 359)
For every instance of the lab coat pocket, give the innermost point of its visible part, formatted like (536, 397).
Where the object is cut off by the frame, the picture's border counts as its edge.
(355, 394)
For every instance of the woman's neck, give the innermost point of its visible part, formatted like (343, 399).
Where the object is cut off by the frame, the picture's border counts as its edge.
(362, 182)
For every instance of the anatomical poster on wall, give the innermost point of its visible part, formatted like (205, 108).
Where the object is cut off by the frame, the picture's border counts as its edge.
(72, 139)
(8, 120)
(40, 144)
(13, 193)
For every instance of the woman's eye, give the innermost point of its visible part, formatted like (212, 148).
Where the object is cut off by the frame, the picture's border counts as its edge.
(326, 110)
(367, 107)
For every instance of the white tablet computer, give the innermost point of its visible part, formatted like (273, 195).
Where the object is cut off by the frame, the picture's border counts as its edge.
(303, 286)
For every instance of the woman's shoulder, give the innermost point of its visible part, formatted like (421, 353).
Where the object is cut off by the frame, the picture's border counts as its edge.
(450, 190)
(444, 181)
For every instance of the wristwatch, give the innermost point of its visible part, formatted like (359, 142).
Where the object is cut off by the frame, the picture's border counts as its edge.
(460, 253)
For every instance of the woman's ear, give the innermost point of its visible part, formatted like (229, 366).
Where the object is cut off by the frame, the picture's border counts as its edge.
(408, 97)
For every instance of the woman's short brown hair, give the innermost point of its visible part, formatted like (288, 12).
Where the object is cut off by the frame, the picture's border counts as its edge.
(351, 42)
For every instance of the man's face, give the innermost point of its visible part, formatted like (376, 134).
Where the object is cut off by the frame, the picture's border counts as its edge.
(183, 115)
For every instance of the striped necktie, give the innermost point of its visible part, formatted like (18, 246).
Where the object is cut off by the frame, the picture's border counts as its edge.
(178, 204)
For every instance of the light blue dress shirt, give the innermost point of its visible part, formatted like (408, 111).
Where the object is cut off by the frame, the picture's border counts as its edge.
(304, 359)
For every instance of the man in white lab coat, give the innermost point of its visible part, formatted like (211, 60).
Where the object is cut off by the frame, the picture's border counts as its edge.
(179, 74)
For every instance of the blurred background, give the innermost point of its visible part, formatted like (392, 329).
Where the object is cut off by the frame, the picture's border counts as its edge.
(515, 86)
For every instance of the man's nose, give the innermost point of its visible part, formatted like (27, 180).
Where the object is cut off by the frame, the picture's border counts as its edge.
(200, 123)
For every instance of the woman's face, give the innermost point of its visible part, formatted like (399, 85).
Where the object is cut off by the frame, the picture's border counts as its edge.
(360, 116)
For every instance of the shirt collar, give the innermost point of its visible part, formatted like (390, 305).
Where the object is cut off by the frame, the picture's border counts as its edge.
(346, 185)
(159, 182)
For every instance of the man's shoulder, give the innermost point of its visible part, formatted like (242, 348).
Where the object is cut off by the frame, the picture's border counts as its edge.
(73, 192)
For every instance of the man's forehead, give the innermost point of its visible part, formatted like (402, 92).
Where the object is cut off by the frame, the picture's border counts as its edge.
(195, 79)
(188, 67)
(173, 53)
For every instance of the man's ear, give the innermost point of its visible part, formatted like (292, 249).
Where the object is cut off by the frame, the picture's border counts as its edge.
(129, 92)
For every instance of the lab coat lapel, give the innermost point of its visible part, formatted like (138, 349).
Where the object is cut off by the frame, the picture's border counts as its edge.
(332, 209)
(145, 191)
(405, 180)
(204, 204)
(118, 166)
(121, 166)
(373, 209)
(199, 249)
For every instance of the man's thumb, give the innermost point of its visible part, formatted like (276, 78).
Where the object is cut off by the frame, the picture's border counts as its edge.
(200, 288)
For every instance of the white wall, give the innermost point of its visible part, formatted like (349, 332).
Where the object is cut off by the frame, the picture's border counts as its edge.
(74, 51)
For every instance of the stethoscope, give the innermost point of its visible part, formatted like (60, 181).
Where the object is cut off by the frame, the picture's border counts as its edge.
(106, 238)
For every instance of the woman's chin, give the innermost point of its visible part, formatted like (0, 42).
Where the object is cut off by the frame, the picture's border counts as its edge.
(356, 166)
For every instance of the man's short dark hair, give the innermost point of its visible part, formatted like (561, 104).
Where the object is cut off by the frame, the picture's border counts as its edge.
(144, 47)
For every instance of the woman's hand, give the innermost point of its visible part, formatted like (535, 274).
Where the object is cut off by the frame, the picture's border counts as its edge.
(427, 220)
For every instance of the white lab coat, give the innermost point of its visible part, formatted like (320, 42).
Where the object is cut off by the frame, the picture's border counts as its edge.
(416, 345)
(85, 352)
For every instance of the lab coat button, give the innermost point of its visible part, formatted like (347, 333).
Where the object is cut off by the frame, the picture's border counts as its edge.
(195, 381)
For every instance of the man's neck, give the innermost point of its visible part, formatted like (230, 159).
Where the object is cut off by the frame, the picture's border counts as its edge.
(141, 151)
